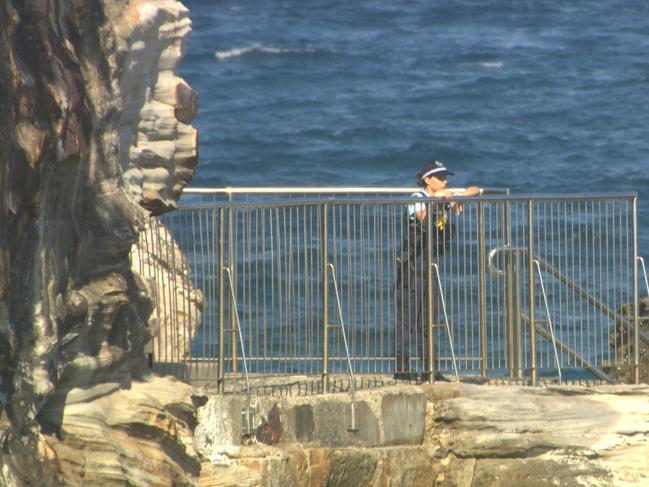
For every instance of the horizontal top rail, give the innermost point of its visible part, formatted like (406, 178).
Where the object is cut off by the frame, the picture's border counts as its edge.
(316, 190)
(357, 200)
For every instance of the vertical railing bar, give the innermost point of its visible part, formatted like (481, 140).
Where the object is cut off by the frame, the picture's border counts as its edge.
(319, 235)
(278, 283)
(464, 337)
(256, 287)
(589, 260)
(262, 279)
(288, 244)
(233, 233)
(530, 270)
(574, 262)
(247, 269)
(542, 249)
(522, 351)
(304, 292)
(482, 318)
(211, 298)
(509, 291)
(356, 288)
(325, 300)
(221, 371)
(600, 282)
(553, 251)
(493, 292)
(607, 279)
(636, 304)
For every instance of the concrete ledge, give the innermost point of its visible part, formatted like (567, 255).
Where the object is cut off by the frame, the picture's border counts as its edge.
(389, 416)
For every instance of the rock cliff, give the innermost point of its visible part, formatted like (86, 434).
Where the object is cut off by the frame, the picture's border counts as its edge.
(94, 134)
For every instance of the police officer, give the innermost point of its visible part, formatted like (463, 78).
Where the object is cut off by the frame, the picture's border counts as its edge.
(412, 274)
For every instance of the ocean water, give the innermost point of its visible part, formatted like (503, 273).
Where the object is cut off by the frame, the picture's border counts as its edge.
(542, 97)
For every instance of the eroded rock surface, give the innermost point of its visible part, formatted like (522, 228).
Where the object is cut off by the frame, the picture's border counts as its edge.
(178, 311)
(94, 131)
(568, 436)
(623, 341)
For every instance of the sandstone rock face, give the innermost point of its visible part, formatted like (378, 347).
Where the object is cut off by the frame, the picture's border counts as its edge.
(178, 310)
(94, 129)
(567, 436)
(157, 144)
(111, 435)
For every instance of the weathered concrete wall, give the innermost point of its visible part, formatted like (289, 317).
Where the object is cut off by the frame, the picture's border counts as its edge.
(472, 436)
(383, 418)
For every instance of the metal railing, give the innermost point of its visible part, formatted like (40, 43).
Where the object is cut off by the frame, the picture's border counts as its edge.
(278, 250)
(341, 325)
(247, 414)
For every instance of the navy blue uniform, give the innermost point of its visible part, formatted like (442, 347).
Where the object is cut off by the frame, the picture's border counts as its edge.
(412, 282)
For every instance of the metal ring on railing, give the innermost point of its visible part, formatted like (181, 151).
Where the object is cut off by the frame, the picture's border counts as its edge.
(490, 260)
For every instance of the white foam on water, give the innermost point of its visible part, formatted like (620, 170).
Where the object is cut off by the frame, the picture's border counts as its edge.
(243, 50)
(492, 64)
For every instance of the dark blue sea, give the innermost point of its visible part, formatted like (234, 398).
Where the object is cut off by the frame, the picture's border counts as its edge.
(538, 96)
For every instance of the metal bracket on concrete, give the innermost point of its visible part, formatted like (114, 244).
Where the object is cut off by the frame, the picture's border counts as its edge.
(248, 420)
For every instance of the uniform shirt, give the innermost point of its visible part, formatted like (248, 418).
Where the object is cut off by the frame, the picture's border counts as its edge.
(414, 208)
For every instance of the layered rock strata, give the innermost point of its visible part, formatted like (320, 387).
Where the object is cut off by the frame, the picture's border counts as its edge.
(94, 131)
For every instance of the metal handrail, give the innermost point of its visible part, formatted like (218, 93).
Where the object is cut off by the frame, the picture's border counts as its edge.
(569, 351)
(611, 313)
(318, 190)
(547, 313)
(353, 427)
(448, 328)
(494, 270)
(247, 430)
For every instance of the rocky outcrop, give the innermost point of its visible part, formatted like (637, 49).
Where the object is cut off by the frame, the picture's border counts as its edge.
(568, 436)
(115, 435)
(94, 131)
(157, 144)
(178, 304)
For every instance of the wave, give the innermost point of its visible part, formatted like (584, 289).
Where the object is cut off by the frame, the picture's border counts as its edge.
(259, 48)
(492, 64)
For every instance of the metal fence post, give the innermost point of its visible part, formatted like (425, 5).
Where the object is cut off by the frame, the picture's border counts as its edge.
(325, 300)
(221, 274)
(429, 319)
(530, 280)
(636, 304)
(482, 295)
(232, 265)
(516, 314)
